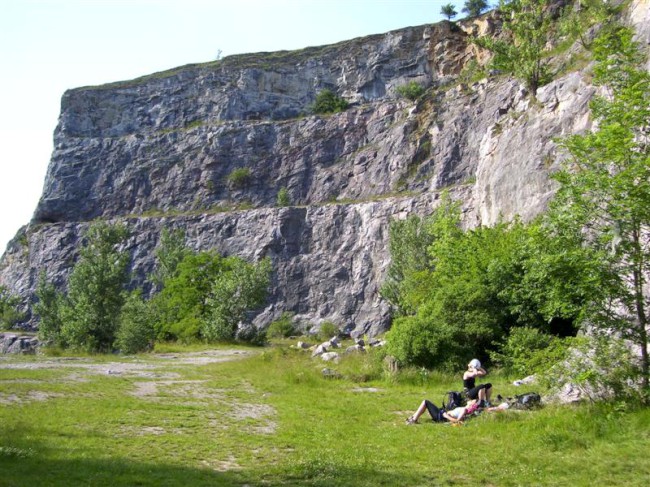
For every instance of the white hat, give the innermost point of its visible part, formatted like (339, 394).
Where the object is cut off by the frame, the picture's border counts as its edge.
(475, 363)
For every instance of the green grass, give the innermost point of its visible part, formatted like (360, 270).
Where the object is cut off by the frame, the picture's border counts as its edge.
(270, 418)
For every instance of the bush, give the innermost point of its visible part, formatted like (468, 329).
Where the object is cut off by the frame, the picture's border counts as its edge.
(9, 312)
(518, 355)
(89, 313)
(600, 367)
(238, 178)
(136, 332)
(252, 336)
(327, 330)
(241, 287)
(329, 102)
(48, 309)
(411, 90)
(283, 197)
(282, 327)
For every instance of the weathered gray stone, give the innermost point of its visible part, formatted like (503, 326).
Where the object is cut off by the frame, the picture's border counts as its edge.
(11, 343)
(319, 350)
(156, 153)
(330, 357)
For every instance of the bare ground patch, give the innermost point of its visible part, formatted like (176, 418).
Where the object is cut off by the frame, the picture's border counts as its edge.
(30, 396)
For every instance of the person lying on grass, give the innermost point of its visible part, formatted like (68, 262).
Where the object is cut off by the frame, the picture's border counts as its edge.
(438, 415)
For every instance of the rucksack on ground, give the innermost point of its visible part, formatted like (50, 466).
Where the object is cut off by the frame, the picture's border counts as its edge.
(453, 399)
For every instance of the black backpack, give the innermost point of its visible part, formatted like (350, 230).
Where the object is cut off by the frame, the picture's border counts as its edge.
(529, 400)
(453, 399)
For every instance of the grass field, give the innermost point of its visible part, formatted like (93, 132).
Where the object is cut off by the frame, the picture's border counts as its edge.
(269, 417)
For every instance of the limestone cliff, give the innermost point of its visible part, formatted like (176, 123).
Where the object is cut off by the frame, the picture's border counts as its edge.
(157, 151)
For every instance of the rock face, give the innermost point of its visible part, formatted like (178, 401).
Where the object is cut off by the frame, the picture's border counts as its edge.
(156, 152)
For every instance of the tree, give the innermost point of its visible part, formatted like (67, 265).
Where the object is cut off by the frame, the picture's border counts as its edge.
(9, 309)
(136, 332)
(169, 254)
(527, 25)
(409, 240)
(448, 11)
(474, 8)
(48, 309)
(240, 288)
(605, 188)
(458, 294)
(181, 306)
(208, 296)
(577, 22)
(90, 312)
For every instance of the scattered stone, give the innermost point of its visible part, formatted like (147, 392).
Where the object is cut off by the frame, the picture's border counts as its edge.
(319, 350)
(330, 357)
(10, 343)
(330, 374)
(303, 345)
(333, 343)
(355, 348)
(526, 380)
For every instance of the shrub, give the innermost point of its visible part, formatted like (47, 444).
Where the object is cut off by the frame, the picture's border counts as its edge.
(48, 309)
(283, 197)
(136, 332)
(521, 352)
(411, 90)
(601, 367)
(282, 327)
(89, 313)
(252, 335)
(239, 288)
(9, 311)
(329, 102)
(238, 178)
(327, 330)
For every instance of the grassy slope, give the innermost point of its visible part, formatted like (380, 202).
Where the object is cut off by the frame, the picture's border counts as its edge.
(273, 420)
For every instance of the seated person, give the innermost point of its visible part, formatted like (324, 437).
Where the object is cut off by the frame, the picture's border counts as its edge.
(482, 392)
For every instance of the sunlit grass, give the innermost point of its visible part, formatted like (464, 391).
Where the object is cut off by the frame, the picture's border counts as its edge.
(270, 417)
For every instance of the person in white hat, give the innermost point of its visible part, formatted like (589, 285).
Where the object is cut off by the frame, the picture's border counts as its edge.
(482, 392)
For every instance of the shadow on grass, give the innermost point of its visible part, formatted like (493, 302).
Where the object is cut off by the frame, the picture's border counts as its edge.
(34, 470)
(27, 462)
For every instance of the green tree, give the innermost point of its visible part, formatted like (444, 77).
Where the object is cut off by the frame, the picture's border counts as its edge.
(577, 21)
(329, 102)
(448, 11)
(457, 293)
(474, 8)
(528, 27)
(48, 309)
(242, 287)
(181, 306)
(10, 313)
(408, 242)
(605, 187)
(90, 312)
(169, 253)
(136, 331)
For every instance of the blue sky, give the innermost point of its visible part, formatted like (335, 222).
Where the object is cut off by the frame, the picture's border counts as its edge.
(49, 46)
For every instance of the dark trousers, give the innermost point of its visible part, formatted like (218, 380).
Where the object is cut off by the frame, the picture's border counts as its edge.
(434, 411)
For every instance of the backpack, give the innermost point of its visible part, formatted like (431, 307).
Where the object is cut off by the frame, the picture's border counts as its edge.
(453, 399)
(528, 400)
